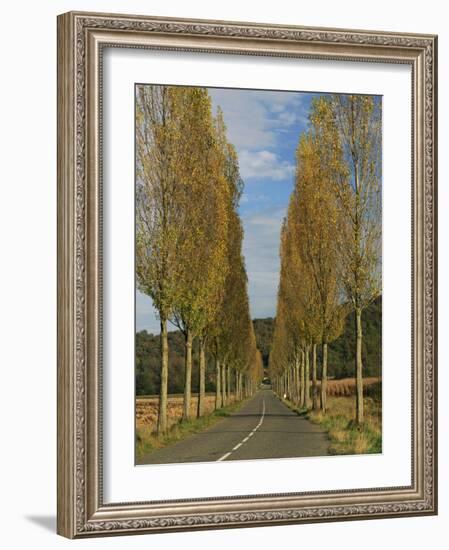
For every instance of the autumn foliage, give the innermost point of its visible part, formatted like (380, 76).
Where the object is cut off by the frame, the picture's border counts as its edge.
(189, 239)
(330, 246)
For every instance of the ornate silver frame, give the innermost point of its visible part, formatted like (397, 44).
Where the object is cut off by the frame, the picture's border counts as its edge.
(81, 37)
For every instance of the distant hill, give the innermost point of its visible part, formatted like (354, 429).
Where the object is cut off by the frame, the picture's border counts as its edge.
(148, 359)
(341, 353)
(263, 329)
(148, 364)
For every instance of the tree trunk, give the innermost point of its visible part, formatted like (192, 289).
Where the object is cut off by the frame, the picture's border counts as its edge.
(188, 376)
(359, 366)
(163, 392)
(224, 399)
(228, 382)
(218, 396)
(314, 380)
(292, 377)
(285, 377)
(202, 378)
(297, 381)
(237, 385)
(290, 383)
(303, 393)
(307, 379)
(324, 379)
(236, 382)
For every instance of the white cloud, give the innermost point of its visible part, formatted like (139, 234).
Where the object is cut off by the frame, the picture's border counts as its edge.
(264, 165)
(246, 117)
(287, 117)
(254, 117)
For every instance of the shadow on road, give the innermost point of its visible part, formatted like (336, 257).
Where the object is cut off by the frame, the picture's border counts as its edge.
(258, 415)
(261, 430)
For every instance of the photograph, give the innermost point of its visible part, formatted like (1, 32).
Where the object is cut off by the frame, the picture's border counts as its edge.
(258, 274)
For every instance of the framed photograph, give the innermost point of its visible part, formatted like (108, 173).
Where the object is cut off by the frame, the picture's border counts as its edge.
(246, 274)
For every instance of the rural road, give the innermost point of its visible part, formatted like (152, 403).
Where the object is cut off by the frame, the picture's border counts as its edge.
(263, 428)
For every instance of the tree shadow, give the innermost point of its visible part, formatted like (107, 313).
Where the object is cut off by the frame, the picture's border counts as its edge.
(266, 415)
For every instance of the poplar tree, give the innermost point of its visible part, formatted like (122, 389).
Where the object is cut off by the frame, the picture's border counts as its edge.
(358, 121)
(158, 224)
(189, 239)
(215, 332)
(201, 254)
(310, 290)
(318, 222)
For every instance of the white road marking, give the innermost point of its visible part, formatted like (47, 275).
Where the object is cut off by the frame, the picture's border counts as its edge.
(225, 456)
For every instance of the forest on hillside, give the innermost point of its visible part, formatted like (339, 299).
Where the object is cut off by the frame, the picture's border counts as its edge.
(341, 353)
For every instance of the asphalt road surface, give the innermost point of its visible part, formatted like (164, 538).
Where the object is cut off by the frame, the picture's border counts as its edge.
(263, 428)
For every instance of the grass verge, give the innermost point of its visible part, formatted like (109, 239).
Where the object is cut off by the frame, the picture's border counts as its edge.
(148, 441)
(346, 437)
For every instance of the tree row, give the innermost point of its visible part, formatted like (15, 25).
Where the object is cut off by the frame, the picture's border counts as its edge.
(330, 246)
(189, 240)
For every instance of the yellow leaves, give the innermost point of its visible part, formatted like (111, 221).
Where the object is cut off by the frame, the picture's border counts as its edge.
(309, 291)
(359, 123)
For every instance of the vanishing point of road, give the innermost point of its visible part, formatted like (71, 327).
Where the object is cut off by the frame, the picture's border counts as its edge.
(262, 428)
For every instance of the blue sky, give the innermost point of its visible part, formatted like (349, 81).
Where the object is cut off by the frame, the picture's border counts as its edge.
(264, 126)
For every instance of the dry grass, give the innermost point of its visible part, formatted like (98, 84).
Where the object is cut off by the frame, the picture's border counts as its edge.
(346, 437)
(346, 386)
(146, 420)
(147, 410)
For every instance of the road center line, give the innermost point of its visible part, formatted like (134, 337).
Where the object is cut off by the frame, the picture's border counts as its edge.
(225, 456)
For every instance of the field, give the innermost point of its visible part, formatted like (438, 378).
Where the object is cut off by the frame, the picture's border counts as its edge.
(147, 407)
(346, 386)
(146, 420)
(339, 421)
